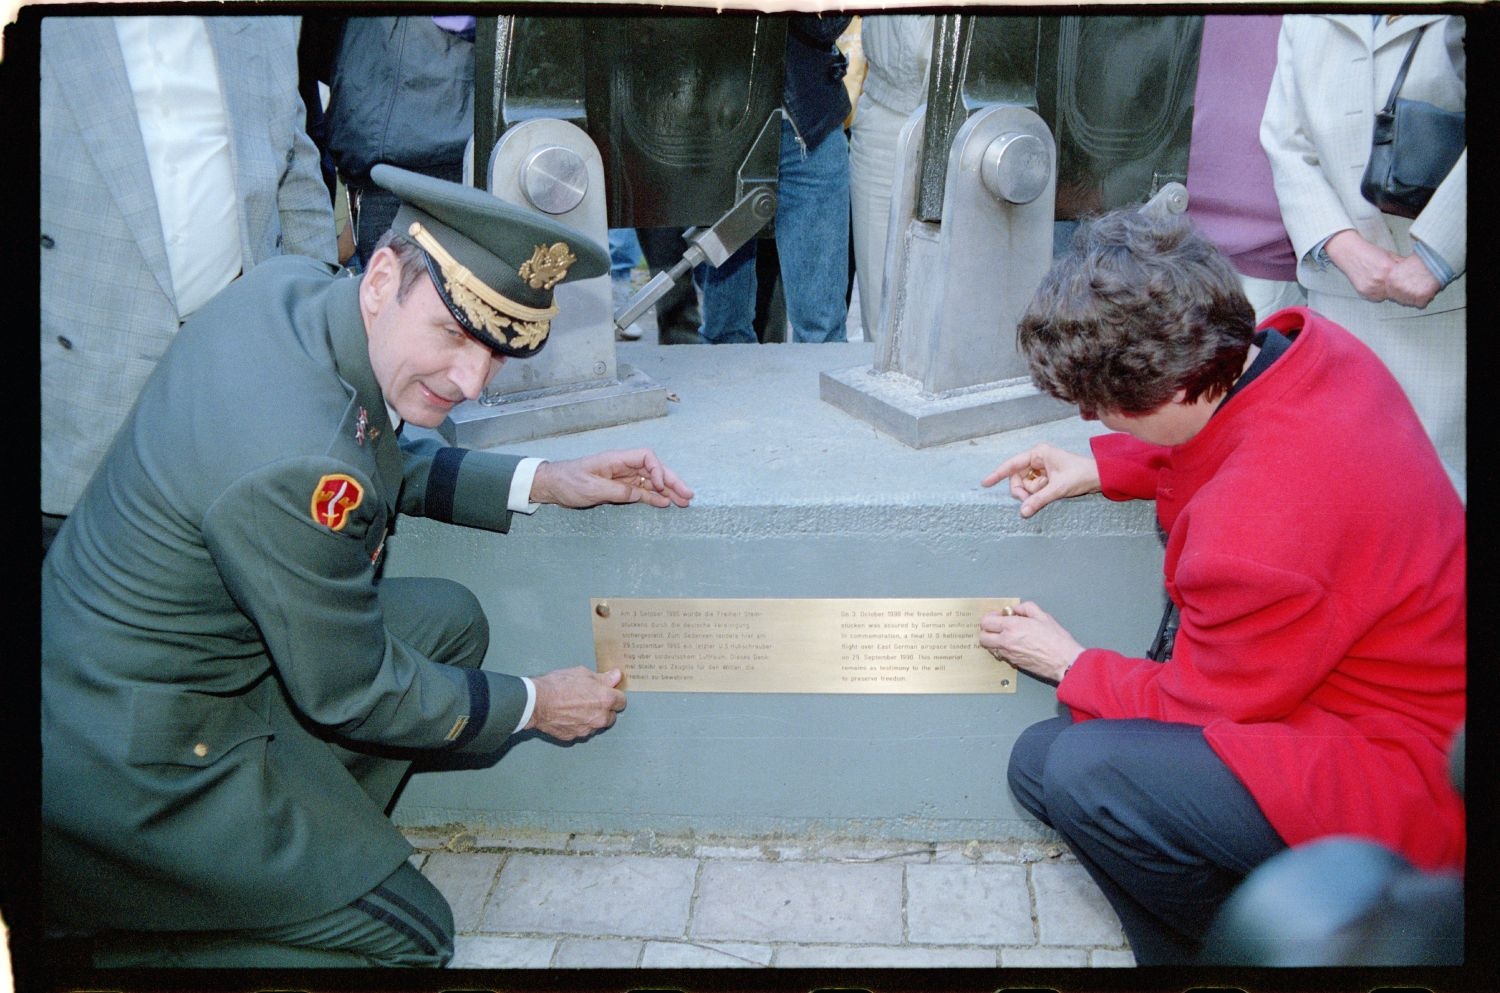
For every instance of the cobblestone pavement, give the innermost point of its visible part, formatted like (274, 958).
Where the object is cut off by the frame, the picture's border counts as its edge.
(575, 901)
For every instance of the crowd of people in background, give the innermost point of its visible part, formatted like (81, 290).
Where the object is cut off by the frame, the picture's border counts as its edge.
(1272, 174)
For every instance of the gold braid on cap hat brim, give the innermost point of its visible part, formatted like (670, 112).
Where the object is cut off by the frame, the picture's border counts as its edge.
(513, 323)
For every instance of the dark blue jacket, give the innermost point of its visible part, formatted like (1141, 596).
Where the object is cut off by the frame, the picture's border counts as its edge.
(403, 93)
(813, 87)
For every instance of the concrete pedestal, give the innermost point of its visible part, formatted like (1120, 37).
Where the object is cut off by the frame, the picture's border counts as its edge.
(897, 405)
(795, 498)
(560, 410)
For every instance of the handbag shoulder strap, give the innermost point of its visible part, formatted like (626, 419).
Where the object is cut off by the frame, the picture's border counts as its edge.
(1390, 101)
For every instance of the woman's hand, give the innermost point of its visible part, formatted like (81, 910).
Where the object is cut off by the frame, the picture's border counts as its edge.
(1411, 283)
(1367, 266)
(1045, 474)
(1028, 638)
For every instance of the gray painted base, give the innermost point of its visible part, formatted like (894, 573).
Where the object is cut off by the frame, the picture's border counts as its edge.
(896, 405)
(524, 416)
(794, 498)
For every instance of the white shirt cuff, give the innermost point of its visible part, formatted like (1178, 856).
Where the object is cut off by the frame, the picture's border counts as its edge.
(519, 500)
(530, 703)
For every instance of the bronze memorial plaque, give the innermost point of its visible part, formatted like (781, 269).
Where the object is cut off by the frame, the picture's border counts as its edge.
(800, 646)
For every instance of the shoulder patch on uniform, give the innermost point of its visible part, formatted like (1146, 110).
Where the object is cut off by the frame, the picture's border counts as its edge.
(334, 498)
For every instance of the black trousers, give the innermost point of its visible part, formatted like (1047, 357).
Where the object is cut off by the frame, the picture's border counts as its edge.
(376, 206)
(1157, 819)
(51, 524)
(677, 313)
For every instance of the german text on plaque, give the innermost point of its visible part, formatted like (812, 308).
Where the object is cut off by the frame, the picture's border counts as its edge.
(921, 645)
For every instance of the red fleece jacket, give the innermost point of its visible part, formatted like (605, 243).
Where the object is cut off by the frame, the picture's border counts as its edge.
(1316, 550)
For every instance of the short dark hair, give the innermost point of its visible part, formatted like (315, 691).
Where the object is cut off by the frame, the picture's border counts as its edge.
(1139, 307)
(409, 256)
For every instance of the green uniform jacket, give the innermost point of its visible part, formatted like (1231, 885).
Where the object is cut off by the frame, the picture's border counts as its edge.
(214, 589)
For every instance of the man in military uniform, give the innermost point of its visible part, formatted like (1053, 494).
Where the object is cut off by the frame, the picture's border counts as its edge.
(230, 695)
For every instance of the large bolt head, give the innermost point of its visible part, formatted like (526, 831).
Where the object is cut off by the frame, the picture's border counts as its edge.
(554, 179)
(1016, 167)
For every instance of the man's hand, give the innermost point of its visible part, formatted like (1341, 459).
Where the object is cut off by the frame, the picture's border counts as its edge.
(1367, 266)
(636, 476)
(1029, 639)
(574, 703)
(1045, 474)
(1410, 282)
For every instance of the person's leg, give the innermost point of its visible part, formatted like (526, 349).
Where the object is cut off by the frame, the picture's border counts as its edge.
(1027, 776)
(402, 922)
(770, 306)
(376, 207)
(662, 247)
(677, 313)
(729, 299)
(624, 256)
(849, 279)
(812, 235)
(624, 252)
(51, 524)
(1028, 757)
(1154, 816)
(872, 170)
(440, 619)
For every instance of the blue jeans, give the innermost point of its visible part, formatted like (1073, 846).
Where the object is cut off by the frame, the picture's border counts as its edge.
(812, 237)
(624, 252)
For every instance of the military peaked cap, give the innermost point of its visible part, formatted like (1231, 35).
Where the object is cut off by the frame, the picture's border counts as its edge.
(494, 264)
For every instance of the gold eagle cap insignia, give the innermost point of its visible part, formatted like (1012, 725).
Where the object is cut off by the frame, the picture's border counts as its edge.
(547, 266)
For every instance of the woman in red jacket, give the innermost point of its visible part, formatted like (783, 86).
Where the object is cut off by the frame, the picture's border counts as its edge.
(1314, 554)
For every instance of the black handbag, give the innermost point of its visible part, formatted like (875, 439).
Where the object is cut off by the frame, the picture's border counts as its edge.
(1414, 148)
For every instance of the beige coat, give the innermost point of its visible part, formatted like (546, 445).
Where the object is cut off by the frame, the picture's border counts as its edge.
(1333, 72)
(1331, 78)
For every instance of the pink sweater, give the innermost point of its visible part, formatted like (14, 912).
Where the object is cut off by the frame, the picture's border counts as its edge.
(1230, 196)
(1316, 550)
